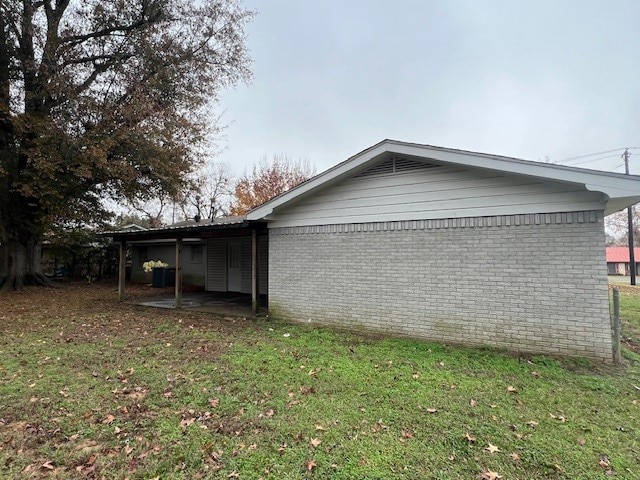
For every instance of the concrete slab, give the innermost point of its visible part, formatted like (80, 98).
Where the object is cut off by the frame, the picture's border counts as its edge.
(236, 304)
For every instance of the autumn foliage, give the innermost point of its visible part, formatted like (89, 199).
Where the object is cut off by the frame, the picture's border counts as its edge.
(267, 180)
(104, 102)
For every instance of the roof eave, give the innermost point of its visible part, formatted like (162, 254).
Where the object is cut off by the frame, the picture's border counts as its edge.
(615, 186)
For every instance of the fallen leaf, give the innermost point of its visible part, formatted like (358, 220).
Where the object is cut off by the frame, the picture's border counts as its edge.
(432, 410)
(214, 402)
(184, 423)
(320, 427)
(473, 403)
(108, 419)
(511, 389)
(233, 474)
(535, 374)
(492, 448)
(314, 442)
(532, 424)
(560, 418)
(489, 475)
(48, 465)
(514, 456)
(469, 438)
(407, 434)
(311, 464)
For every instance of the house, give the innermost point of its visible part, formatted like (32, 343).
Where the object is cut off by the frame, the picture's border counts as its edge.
(429, 242)
(618, 260)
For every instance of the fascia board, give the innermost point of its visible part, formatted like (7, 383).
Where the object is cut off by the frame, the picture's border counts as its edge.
(611, 184)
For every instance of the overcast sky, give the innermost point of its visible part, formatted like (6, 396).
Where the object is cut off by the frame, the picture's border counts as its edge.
(532, 79)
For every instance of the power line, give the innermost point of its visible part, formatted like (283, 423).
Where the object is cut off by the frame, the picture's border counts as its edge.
(593, 160)
(579, 157)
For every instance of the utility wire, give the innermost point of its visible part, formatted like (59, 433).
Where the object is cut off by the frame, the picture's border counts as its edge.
(579, 157)
(592, 160)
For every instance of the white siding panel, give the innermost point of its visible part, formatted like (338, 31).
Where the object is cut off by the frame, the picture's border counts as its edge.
(440, 192)
(216, 280)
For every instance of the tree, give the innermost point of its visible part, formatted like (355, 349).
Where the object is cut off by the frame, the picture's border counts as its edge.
(617, 227)
(211, 192)
(104, 101)
(268, 180)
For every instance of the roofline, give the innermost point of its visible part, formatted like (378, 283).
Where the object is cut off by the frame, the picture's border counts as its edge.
(173, 232)
(614, 185)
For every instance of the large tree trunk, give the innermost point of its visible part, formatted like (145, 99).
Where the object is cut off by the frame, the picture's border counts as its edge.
(24, 265)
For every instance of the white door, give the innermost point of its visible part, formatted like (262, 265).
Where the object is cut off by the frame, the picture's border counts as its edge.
(234, 267)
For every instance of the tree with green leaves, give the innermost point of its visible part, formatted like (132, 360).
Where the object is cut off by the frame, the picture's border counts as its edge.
(104, 101)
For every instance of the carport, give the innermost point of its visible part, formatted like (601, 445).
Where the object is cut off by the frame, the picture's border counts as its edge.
(210, 231)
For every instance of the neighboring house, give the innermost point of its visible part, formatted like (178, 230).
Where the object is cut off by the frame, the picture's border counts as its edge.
(429, 242)
(618, 260)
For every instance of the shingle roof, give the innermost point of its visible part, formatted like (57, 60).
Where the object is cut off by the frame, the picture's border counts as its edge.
(621, 254)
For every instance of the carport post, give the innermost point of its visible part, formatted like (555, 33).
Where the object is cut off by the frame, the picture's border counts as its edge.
(178, 302)
(255, 287)
(122, 270)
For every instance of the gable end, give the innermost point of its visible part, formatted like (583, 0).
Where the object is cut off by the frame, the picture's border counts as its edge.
(396, 165)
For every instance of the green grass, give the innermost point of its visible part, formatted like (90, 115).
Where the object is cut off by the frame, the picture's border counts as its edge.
(102, 389)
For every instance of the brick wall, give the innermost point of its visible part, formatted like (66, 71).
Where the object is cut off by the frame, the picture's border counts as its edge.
(534, 283)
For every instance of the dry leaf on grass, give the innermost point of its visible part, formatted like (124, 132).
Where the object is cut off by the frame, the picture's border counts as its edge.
(492, 448)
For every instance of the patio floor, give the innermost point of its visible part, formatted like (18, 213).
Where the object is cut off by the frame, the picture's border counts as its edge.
(220, 303)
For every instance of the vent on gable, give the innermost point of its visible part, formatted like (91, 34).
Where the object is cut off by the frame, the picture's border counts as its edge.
(396, 165)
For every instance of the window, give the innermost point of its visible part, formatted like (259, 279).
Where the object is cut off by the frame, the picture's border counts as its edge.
(197, 253)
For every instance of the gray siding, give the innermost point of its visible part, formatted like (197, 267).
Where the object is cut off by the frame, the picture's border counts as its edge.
(263, 264)
(435, 192)
(216, 265)
(535, 283)
(246, 265)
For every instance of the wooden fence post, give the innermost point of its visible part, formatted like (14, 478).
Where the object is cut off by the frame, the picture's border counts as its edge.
(617, 357)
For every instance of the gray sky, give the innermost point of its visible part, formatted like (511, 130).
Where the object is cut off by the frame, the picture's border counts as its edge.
(528, 79)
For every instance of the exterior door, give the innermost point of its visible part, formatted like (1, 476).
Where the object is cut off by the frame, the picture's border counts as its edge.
(234, 267)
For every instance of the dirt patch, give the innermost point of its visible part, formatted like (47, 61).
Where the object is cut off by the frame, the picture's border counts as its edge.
(633, 289)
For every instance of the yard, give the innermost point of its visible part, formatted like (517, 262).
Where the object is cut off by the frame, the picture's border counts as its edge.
(90, 388)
